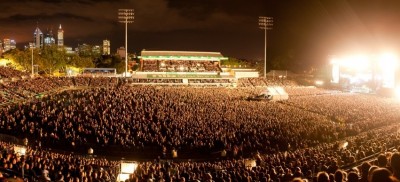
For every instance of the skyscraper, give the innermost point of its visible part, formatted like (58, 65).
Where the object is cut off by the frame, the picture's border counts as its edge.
(38, 38)
(13, 44)
(106, 47)
(1, 47)
(7, 45)
(49, 37)
(121, 52)
(60, 37)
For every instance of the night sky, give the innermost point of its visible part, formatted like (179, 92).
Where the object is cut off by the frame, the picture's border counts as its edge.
(307, 30)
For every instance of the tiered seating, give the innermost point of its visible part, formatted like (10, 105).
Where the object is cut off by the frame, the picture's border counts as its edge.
(150, 66)
(179, 66)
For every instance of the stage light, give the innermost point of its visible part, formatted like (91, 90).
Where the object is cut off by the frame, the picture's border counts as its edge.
(356, 62)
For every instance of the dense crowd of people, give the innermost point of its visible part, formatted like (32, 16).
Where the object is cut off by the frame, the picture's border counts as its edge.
(316, 135)
(44, 165)
(8, 72)
(263, 82)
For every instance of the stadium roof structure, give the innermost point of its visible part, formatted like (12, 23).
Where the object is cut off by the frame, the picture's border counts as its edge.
(182, 55)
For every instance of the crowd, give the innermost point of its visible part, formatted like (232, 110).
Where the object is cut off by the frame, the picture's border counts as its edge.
(317, 134)
(175, 117)
(44, 165)
(8, 72)
(263, 82)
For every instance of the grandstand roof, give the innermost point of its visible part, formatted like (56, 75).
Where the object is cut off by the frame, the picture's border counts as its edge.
(182, 55)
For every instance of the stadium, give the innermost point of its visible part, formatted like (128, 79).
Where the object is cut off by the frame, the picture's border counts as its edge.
(182, 117)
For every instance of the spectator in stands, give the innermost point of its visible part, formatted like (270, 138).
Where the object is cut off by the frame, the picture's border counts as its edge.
(322, 177)
(364, 171)
(340, 176)
(395, 165)
(382, 161)
(352, 177)
(382, 175)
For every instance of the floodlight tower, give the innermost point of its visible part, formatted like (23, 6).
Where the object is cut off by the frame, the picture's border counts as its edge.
(265, 23)
(126, 16)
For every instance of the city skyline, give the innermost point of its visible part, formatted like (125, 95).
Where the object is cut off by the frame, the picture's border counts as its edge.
(308, 30)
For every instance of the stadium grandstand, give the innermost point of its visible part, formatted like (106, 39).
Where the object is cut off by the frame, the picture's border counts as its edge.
(182, 68)
(95, 128)
(180, 61)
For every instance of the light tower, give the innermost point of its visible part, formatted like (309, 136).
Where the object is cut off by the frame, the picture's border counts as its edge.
(126, 16)
(265, 23)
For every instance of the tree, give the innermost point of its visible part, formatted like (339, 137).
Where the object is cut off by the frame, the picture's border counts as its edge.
(80, 62)
(118, 64)
(52, 59)
(21, 58)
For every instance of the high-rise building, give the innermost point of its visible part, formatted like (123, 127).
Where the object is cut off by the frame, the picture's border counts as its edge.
(49, 38)
(84, 50)
(31, 45)
(1, 47)
(121, 52)
(96, 49)
(13, 44)
(38, 38)
(7, 45)
(106, 47)
(60, 37)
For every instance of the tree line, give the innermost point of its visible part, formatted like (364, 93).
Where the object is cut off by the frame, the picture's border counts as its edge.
(52, 59)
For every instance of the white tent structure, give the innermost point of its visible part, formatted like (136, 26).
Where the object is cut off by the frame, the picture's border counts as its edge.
(275, 93)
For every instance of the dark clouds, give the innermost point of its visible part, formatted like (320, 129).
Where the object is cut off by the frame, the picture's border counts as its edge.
(309, 29)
